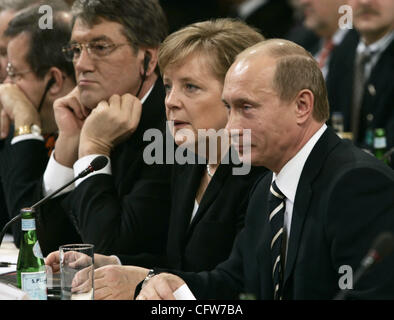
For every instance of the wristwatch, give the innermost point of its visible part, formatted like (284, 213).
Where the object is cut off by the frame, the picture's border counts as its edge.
(28, 129)
(149, 276)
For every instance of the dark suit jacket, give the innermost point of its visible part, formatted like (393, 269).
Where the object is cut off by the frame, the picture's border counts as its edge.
(21, 168)
(123, 213)
(3, 208)
(379, 102)
(4, 217)
(344, 199)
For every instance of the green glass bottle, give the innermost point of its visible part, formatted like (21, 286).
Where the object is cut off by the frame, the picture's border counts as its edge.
(380, 144)
(30, 268)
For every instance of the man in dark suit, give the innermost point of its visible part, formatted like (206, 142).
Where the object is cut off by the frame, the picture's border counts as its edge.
(322, 207)
(322, 19)
(8, 9)
(124, 208)
(362, 82)
(35, 79)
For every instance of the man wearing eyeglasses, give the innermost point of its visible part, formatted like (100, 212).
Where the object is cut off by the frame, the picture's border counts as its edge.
(36, 77)
(124, 208)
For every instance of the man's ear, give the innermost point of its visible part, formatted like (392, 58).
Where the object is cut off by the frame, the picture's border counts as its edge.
(149, 63)
(56, 77)
(304, 105)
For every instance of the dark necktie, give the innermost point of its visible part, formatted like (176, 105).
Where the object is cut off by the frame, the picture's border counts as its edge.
(276, 203)
(358, 90)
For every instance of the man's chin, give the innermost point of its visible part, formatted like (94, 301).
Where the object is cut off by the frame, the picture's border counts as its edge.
(89, 100)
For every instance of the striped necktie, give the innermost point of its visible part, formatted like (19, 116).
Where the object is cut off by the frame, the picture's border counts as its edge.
(276, 203)
(358, 90)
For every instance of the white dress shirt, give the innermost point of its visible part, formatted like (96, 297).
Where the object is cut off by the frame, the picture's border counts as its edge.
(287, 179)
(195, 209)
(56, 175)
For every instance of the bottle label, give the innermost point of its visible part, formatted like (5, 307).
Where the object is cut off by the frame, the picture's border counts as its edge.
(34, 284)
(37, 251)
(380, 143)
(28, 224)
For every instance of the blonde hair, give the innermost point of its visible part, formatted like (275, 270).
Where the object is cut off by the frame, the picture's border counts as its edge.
(296, 69)
(220, 40)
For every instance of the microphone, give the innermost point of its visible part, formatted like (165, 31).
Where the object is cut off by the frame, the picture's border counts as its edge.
(381, 248)
(97, 164)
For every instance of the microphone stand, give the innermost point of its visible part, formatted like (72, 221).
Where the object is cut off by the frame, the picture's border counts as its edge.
(85, 172)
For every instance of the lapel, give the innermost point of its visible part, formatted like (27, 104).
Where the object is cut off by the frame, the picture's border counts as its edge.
(210, 194)
(190, 176)
(380, 80)
(339, 80)
(126, 158)
(304, 194)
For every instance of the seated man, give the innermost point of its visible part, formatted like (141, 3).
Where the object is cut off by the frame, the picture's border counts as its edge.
(362, 82)
(124, 209)
(8, 9)
(35, 79)
(321, 208)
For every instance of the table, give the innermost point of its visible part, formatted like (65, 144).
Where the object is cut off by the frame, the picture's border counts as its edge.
(8, 253)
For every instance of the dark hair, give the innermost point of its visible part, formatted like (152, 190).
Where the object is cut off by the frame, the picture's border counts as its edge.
(45, 45)
(143, 21)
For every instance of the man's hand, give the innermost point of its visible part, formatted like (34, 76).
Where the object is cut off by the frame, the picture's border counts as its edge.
(109, 124)
(15, 108)
(53, 261)
(161, 287)
(117, 282)
(70, 115)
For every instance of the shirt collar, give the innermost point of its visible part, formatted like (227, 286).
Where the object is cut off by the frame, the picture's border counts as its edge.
(338, 36)
(247, 7)
(287, 179)
(147, 94)
(377, 46)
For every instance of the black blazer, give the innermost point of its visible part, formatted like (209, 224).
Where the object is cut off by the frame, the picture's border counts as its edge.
(207, 240)
(378, 98)
(344, 199)
(123, 213)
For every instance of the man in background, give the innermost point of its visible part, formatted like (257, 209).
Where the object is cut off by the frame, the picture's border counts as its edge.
(362, 85)
(8, 9)
(37, 75)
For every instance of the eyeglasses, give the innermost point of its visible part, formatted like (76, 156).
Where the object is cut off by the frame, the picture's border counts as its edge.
(96, 49)
(13, 74)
